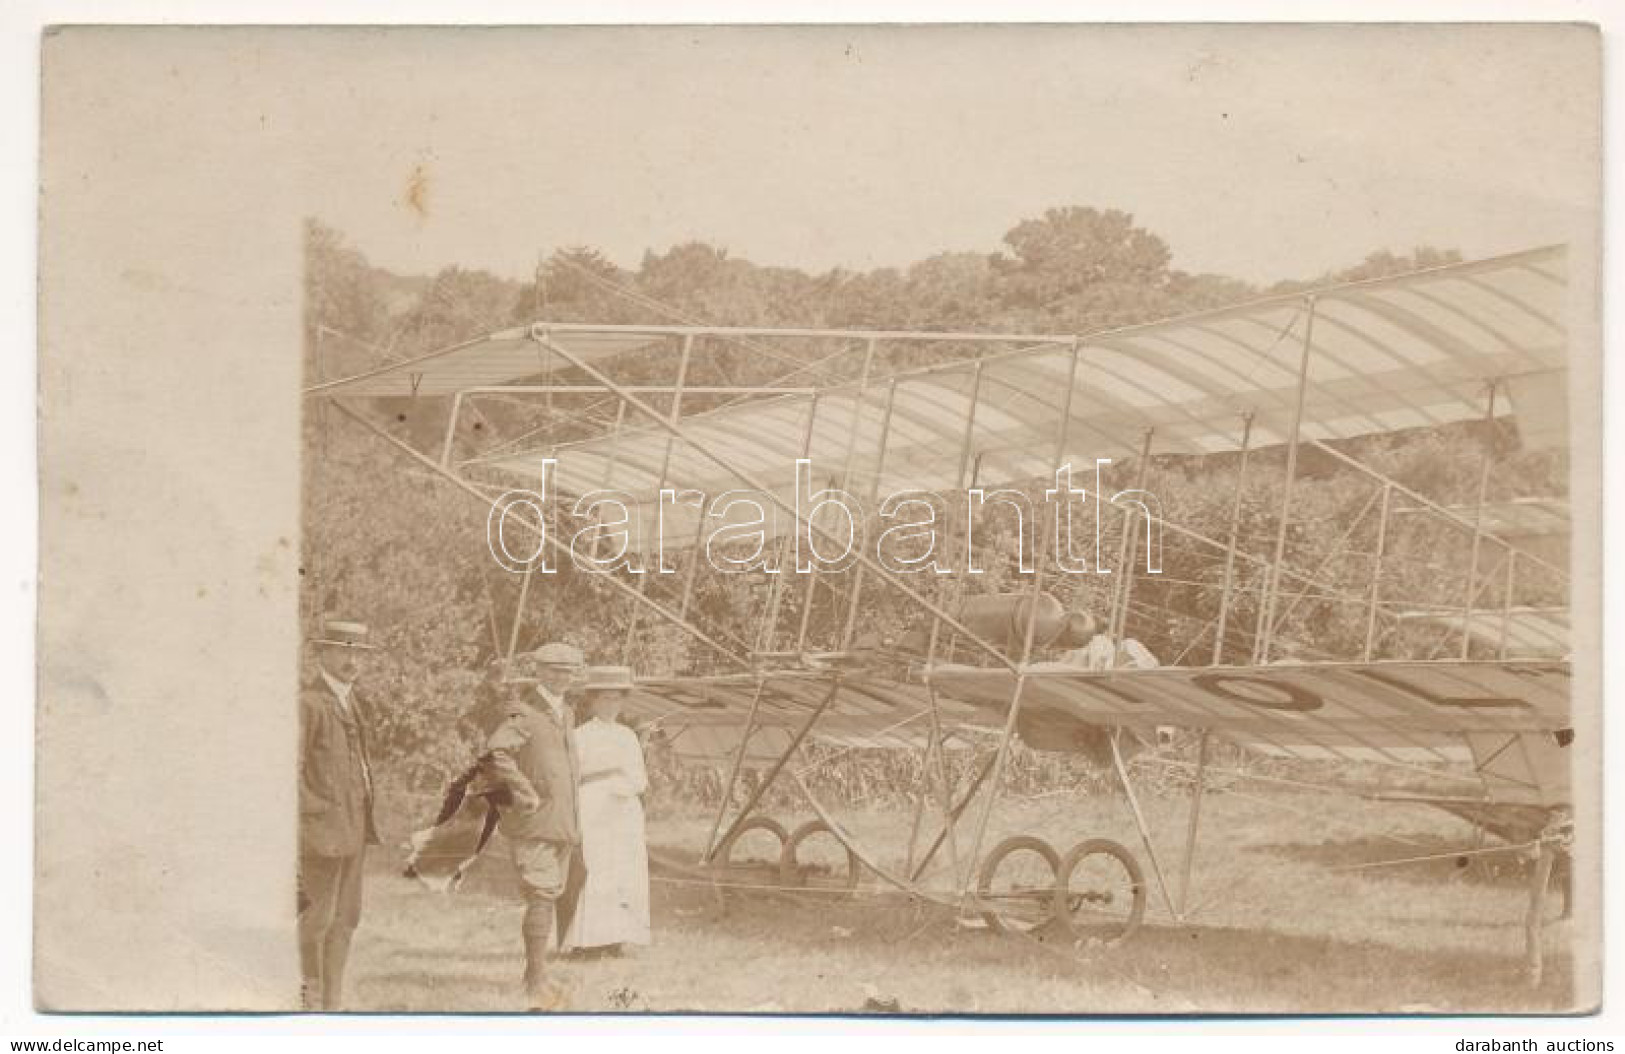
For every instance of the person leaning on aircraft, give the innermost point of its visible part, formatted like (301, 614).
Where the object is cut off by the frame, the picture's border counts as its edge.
(532, 757)
(613, 909)
(335, 809)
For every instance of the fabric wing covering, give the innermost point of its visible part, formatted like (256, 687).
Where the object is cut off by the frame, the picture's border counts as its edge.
(1538, 632)
(1384, 355)
(1393, 712)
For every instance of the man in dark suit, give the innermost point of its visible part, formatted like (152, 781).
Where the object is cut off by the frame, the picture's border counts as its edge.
(532, 757)
(335, 810)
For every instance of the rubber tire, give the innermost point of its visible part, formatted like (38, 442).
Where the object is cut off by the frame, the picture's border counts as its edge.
(1118, 852)
(990, 868)
(720, 861)
(790, 873)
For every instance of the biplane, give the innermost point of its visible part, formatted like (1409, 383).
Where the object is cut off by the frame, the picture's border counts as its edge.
(1473, 686)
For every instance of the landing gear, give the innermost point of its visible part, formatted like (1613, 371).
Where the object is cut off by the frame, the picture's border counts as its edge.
(1095, 894)
(749, 856)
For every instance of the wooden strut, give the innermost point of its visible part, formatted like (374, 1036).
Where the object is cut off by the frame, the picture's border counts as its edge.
(1438, 510)
(641, 389)
(311, 563)
(1479, 589)
(926, 787)
(953, 815)
(491, 613)
(1333, 552)
(950, 811)
(773, 773)
(609, 472)
(1540, 876)
(1487, 465)
(505, 447)
(665, 469)
(1198, 789)
(518, 616)
(1376, 572)
(965, 465)
(1128, 548)
(814, 579)
(768, 635)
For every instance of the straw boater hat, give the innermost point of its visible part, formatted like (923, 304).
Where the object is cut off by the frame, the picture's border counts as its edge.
(557, 655)
(345, 634)
(608, 679)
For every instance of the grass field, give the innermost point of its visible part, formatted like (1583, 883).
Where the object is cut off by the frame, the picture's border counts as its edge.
(1285, 920)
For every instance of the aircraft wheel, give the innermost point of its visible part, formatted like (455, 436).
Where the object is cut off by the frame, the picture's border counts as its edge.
(746, 859)
(1016, 887)
(828, 867)
(1100, 892)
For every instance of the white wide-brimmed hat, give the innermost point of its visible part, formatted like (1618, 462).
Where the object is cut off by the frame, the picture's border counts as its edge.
(608, 679)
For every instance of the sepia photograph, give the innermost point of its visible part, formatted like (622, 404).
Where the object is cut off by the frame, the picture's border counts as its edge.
(1045, 520)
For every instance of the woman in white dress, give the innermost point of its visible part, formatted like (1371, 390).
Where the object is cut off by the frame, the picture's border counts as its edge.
(614, 906)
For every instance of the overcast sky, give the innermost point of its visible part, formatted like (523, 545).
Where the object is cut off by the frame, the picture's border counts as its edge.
(1262, 154)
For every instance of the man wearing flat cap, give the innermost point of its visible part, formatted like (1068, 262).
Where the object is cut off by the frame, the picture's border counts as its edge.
(335, 809)
(531, 756)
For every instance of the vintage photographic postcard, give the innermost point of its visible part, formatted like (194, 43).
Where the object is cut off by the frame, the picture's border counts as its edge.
(968, 519)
